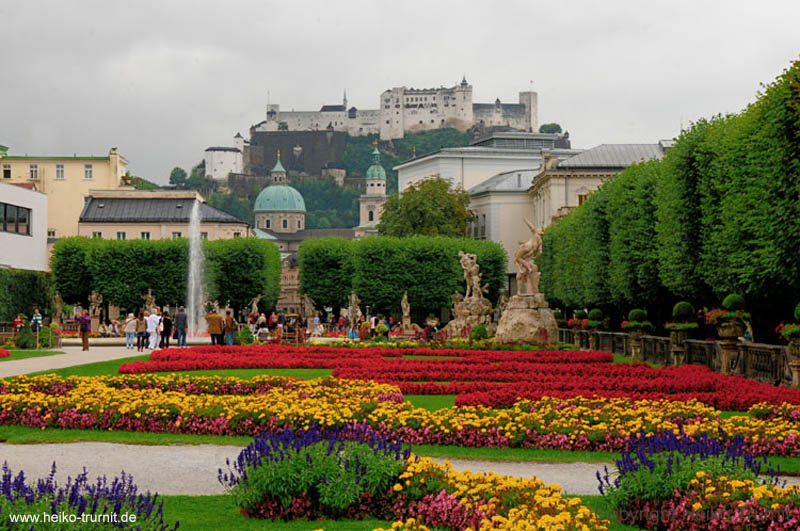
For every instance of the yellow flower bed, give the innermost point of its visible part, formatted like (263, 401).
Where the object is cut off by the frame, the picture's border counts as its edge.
(514, 503)
(573, 423)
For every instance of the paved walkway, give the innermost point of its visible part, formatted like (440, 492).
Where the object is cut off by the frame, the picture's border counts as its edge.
(72, 356)
(192, 469)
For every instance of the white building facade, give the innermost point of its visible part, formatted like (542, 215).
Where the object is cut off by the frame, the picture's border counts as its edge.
(221, 161)
(23, 228)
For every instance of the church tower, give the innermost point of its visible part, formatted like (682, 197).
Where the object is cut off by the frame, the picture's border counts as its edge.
(374, 197)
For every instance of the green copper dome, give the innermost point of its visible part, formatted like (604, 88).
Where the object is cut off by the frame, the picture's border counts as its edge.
(376, 171)
(279, 198)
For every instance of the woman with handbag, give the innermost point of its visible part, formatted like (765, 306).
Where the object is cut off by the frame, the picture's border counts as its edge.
(85, 326)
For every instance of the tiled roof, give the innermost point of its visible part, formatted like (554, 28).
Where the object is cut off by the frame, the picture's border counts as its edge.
(613, 156)
(509, 181)
(310, 233)
(222, 148)
(332, 108)
(149, 210)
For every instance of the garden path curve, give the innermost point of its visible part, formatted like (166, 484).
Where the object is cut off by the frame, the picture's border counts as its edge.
(71, 356)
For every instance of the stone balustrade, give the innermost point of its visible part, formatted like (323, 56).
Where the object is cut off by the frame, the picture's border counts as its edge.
(770, 364)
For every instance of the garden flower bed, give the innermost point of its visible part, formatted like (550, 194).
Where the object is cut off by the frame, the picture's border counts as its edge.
(315, 474)
(484, 377)
(4, 353)
(194, 405)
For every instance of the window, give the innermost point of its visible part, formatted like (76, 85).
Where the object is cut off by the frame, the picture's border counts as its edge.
(87, 171)
(121, 236)
(372, 215)
(285, 223)
(299, 224)
(144, 236)
(268, 224)
(581, 198)
(34, 171)
(97, 235)
(237, 234)
(59, 171)
(15, 219)
(176, 235)
(483, 226)
(6, 171)
(203, 235)
(51, 233)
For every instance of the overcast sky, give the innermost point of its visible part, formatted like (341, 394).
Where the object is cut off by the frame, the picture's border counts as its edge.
(162, 80)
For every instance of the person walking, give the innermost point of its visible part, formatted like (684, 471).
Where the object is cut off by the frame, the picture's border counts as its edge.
(141, 330)
(130, 330)
(181, 325)
(273, 320)
(166, 329)
(152, 329)
(85, 326)
(341, 323)
(216, 326)
(230, 324)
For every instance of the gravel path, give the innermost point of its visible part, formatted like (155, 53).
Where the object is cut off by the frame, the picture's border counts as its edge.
(192, 469)
(72, 356)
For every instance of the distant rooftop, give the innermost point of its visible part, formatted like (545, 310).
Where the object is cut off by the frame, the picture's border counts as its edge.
(523, 140)
(332, 108)
(149, 210)
(223, 148)
(613, 156)
(509, 181)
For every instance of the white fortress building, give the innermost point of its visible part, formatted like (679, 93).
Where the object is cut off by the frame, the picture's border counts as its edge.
(407, 110)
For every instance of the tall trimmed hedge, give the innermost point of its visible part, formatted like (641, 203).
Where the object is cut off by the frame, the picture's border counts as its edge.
(380, 268)
(720, 213)
(123, 270)
(21, 291)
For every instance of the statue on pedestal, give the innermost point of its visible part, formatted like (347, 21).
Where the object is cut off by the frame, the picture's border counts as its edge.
(406, 307)
(353, 310)
(469, 263)
(58, 307)
(95, 304)
(472, 309)
(527, 271)
(527, 317)
(149, 300)
(254, 304)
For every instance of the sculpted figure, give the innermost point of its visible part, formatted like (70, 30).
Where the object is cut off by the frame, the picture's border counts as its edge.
(58, 307)
(469, 263)
(527, 252)
(95, 302)
(254, 304)
(406, 306)
(149, 300)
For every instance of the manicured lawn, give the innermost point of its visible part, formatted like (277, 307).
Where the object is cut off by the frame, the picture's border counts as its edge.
(432, 402)
(214, 513)
(22, 354)
(93, 369)
(624, 359)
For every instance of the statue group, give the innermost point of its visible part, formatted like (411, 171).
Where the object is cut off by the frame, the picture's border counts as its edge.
(527, 317)
(471, 309)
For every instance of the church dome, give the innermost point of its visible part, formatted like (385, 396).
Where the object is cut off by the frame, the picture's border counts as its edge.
(279, 198)
(376, 171)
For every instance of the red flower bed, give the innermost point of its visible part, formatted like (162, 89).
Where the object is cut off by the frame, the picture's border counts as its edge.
(484, 377)
(4, 353)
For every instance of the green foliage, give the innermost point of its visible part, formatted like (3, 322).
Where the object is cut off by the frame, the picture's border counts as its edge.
(69, 264)
(123, 270)
(140, 183)
(326, 270)
(381, 329)
(733, 302)
(243, 337)
(328, 206)
(26, 338)
(596, 314)
(550, 128)
(797, 313)
(478, 333)
(580, 314)
(637, 314)
(429, 208)
(237, 207)
(380, 269)
(321, 475)
(21, 291)
(177, 177)
(683, 311)
(241, 268)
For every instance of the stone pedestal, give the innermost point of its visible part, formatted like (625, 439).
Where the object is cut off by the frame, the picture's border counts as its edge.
(527, 319)
(795, 366)
(636, 350)
(677, 339)
(729, 353)
(469, 313)
(592, 340)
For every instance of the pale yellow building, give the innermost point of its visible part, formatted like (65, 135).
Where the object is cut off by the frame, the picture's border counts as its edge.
(154, 215)
(65, 181)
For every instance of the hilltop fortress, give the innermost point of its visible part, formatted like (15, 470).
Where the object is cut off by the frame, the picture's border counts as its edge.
(408, 110)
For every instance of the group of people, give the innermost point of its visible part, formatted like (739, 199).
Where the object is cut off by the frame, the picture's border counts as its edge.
(154, 329)
(221, 328)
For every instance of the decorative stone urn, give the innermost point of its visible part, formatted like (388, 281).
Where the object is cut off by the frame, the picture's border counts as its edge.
(795, 366)
(676, 340)
(794, 349)
(635, 335)
(592, 338)
(730, 329)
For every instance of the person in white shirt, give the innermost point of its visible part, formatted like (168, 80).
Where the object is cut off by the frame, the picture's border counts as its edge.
(152, 328)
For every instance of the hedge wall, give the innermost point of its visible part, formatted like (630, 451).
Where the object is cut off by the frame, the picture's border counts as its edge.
(21, 291)
(719, 214)
(123, 270)
(380, 268)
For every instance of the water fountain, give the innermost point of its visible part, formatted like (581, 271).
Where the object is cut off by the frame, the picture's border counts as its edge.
(196, 297)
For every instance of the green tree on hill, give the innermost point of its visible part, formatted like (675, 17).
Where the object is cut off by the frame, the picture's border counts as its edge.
(177, 177)
(551, 128)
